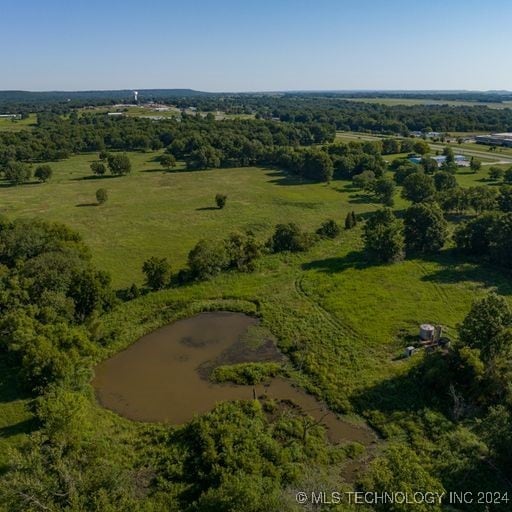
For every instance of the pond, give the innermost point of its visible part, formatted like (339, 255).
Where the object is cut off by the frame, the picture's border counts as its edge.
(164, 376)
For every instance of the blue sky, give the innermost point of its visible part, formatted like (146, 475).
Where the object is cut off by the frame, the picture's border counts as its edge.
(229, 45)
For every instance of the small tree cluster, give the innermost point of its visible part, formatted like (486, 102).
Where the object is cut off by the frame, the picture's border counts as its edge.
(350, 220)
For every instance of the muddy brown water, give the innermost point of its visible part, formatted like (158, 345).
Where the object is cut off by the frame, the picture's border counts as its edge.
(159, 377)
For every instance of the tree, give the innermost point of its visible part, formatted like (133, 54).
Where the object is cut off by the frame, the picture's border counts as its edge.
(220, 200)
(496, 173)
(383, 236)
(157, 272)
(475, 235)
(329, 229)
(430, 166)
(101, 195)
(418, 188)
(475, 164)
(501, 240)
(318, 165)
(242, 250)
(486, 327)
(208, 258)
(43, 173)
(399, 467)
(421, 147)
(364, 180)
(425, 228)
(17, 172)
(98, 168)
(103, 155)
(167, 161)
(449, 154)
(350, 220)
(384, 190)
(289, 237)
(444, 180)
(481, 198)
(119, 164)
(505, 198)
(507, 178)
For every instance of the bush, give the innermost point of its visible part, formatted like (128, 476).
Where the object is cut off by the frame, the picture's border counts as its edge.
(289, 237)
(98, 168)
(329, 229)
(158, 272)
(220, 200)
(101, 195)
(119, 164)
(246, 373)
(208, 258)
(43, 173)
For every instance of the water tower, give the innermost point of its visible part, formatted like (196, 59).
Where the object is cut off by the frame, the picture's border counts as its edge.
(136, 96)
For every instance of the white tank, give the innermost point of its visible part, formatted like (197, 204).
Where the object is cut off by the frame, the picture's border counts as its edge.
(426, 332)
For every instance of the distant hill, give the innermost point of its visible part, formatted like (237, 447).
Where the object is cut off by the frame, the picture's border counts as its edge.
(114, 95)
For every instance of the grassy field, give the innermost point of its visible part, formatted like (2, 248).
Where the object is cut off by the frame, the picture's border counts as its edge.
(8, 125)
(153, 212)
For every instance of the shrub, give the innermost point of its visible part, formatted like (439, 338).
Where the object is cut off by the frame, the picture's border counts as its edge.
(101, 195)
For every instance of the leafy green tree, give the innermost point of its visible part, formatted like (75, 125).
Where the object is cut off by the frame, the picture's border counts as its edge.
(421, 147)
(454, 200)
(220, 200)
(243, 250)
(383, 236)
(364, 180)
(505, 198)
(400, 468)
(418, 188)
(496, 173)
(501, 240)
(444, 180)
(43, 173)
(208, 258)
(119, 164)
(318, 165)
(103, 156)
(449, 154)
(349, 221)
(101, 195)
(167, 161)
(384, 190)
(475, 236)
(98, 168)
(289, 237)
(482, 198)
(157, 272)
(329, 229)
(429, 165)
(17, 172)
(425, 228)
(86, 290)
(507, 178)
(475, 164)
(487, 326)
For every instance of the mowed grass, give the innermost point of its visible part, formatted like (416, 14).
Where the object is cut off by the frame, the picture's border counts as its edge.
(156, 213)
(8, 125)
